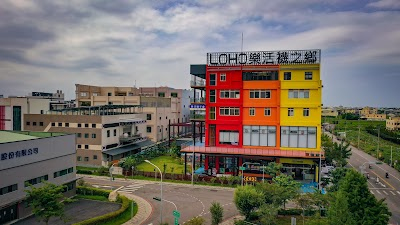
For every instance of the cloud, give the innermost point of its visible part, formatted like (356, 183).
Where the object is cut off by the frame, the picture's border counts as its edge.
(55, 44)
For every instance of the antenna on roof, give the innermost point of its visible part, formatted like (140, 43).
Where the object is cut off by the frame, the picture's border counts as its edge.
(241, 49)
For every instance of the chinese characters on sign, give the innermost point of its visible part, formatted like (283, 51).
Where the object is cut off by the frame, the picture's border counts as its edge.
(200, 106)
(264, 58)
(18, 153)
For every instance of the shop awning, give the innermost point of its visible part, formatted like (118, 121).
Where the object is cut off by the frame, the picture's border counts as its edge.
(253, 152)
(127, 148)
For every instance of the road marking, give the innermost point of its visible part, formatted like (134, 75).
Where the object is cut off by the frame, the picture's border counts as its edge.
(385, 193)
(371, 191)
(398, 192)
(380, 178)
(378, 192)
(392, 193)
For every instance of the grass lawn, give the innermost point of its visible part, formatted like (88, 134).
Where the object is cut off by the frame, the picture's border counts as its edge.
(93, 197)
(169, 161)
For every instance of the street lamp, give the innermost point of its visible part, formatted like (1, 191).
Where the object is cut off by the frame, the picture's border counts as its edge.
(161, 187)
(249, 163)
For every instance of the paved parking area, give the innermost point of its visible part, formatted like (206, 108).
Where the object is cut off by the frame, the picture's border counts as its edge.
(76, 212)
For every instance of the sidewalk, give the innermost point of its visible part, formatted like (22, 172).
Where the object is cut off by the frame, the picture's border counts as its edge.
(144, 210)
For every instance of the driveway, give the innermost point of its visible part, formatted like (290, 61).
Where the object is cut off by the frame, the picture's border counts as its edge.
(77, 211)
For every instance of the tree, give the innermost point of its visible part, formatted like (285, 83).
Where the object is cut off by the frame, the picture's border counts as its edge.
(273, 168)
(290, 186)
(217, 213)
(196, 221)
(268, 214)
(338, 153)
(363, 205)
(175, 149)
(247, 199)
(46, 201)
(273, 193)
(305, 202)
(336, 176)
(338, 213)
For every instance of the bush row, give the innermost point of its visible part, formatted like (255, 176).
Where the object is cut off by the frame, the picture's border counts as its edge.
(92, 191)
(109, 216)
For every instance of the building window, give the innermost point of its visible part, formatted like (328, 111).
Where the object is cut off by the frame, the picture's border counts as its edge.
(260, 75)
(34, 123)
(293, 93)
(109, 94)
(78, 135)
(148, 116)
(259, 136)
(79, 146)
(229, 111)
(223, 76)
(252, 112)
(260, 93)
(94, 94)
(213, 81)
(299, 137)
(308, 75)
(8, 189)
(79, 158)
(290, 111)
(93, 125)
(79, 125)
(174, 95)
(148, 129)
(115, 132)
(36, 180)
(64, 172)
(94, 156)
(267, 111)
(83, 94)
(86, 159)
(86, 125)
(212, 113)
(161, 94)
(86, 135)
(212, 96)
(53, 124)
(230, 137)
(86, 146)
(93, 135)
(306, 112)
(41, 124)
(287, 75)
(229, 94)
(60, 124)
(108, 133)
(28, 123)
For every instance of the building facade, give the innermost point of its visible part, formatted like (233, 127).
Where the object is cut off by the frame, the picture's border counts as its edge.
(30, 158)
(393, 123)
(162, 105)
(103, 133)
(260, 107)
(12, 110)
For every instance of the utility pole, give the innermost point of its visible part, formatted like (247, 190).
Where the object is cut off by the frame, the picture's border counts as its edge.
(377, 150)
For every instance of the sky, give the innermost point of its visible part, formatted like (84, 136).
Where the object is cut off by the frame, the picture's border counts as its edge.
(49, 45)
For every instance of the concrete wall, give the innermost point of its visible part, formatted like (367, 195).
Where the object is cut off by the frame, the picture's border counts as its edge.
(54, 154)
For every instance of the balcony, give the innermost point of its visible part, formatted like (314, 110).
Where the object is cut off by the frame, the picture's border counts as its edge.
(198, 100)
(130, 138)
(198, 83)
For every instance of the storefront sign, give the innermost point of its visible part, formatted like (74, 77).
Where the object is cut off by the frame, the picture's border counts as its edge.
(252, 179)
(198, 106)
(264, 58)
(18, 153)
(296, 161)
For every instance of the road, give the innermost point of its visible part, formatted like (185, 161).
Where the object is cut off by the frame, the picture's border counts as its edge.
(190, 200)
(388, 188)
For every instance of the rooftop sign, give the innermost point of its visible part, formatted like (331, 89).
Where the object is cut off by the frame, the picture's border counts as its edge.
(286, 57)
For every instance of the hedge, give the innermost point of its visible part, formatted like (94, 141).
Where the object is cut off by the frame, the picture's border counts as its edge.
(109, 216)
(84, 172)
(92, 191)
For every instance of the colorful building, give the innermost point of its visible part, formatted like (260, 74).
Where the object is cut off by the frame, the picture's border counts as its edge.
(260, 107)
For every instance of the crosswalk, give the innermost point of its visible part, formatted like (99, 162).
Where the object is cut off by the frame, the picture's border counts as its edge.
(131, 188)
(385, 192)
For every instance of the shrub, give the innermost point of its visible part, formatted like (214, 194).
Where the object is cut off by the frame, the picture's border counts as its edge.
(83, 190)
(109, 216)
(89, 172)
(213, 179)
(217, 213)
(290, 212)
(196, 221)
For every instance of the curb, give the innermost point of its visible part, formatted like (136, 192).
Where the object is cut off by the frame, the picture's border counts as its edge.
(145, 210)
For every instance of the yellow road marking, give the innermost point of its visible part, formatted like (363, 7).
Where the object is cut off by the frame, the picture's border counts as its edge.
(383, 180)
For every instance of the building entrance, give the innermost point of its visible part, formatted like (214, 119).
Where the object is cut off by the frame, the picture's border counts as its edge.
(8, 213)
